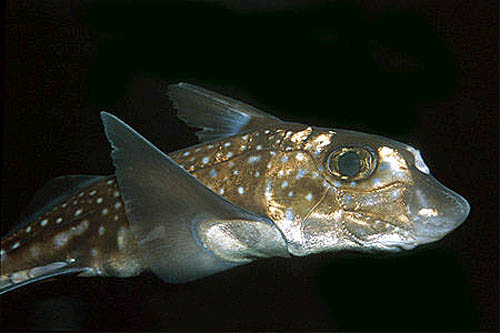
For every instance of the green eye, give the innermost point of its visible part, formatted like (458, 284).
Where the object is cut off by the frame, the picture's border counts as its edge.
(351, 163)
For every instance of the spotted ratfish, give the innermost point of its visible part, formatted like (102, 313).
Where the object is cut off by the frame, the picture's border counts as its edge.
(255, 187)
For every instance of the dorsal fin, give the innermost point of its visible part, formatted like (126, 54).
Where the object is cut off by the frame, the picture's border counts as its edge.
(165, 204)
(217, 115)
(51, 194)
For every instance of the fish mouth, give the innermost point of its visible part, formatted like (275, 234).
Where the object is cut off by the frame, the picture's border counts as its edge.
(435, 210)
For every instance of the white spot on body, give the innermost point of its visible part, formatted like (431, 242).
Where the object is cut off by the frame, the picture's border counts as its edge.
(28, 229)
(272, 153)
(213, 173)
(245, 137)
(336, 183)
(309, 197)
(118, 204)
(75, 202)
(115, 218)
(101, 230)
(210, 146)
(94, 252)
(231, 164)
(105, 211)
(268, 192)
(267, 131)
(289, 215)
(281, 172)
(109, 182)
(227, 144)
(290, 194)
(78, 212)
(99, 200)
(241, 190)
(347, 199)
(256, 174)
(116, 194)
(253, 159)
(259, 147)
(284, 184)
(15, 246)
(284, 159)
(229, 155)
(299, 156)
(243, 147)
(93, 192)
(315, 175)
(186, 153)
(64, 205)
(59, 220)
(78, 230)
(61, 239)
(221, 191)
(376, 182)
(301, 173)
(44, 222)
(205, 160)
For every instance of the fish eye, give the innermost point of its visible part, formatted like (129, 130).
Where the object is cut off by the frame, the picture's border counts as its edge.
(351, 163)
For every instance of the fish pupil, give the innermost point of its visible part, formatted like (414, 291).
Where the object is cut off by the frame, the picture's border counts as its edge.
(349, 164)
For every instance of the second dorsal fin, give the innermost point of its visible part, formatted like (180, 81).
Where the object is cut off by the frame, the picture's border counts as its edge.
(55, 191)
(217, 115)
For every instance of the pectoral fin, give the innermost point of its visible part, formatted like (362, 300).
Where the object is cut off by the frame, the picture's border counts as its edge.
(218, 116)
(166, 205)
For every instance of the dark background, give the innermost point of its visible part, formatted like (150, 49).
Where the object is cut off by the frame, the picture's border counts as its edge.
(422, 72)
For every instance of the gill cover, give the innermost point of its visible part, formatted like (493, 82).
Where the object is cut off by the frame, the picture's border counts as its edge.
(166, 207)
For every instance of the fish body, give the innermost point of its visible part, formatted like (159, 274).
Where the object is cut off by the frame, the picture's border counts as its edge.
(255, 187)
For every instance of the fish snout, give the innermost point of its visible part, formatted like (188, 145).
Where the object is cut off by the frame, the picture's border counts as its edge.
(435, 210)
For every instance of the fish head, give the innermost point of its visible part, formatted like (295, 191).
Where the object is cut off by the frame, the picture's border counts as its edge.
(379, 195)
